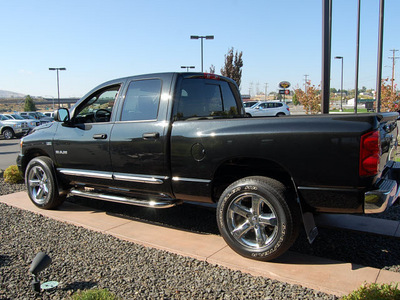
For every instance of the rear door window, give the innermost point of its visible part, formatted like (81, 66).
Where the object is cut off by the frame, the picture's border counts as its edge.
(142, 100)
(205, 99)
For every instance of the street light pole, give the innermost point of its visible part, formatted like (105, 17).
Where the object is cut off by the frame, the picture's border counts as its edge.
(341, 85)
(187, 68)
(207, 37)
(58, 82)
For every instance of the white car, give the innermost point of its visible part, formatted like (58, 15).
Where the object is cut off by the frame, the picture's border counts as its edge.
(268, 109)
(32, 123)
(10, 128)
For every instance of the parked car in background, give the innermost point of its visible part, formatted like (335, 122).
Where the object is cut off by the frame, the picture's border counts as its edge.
(32, 123)
(36, 115)
(268, 109)
(49, 114)
(10, 128)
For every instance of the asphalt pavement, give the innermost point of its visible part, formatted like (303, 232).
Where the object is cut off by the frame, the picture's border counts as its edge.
(9, 150)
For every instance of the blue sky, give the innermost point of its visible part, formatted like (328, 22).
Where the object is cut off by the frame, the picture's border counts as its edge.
(101, 40)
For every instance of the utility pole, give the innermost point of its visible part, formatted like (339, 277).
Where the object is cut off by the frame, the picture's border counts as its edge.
(305, 82)
(394, 57)
(379, 64)
(266, 87)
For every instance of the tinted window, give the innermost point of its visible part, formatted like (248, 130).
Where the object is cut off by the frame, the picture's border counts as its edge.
(200, 98)
(142, 100)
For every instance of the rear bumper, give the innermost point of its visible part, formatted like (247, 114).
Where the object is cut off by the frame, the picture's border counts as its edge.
(386, 192)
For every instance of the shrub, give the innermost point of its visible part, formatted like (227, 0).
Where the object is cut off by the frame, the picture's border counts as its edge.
(13, 175)
(94, 294)
(375, 291)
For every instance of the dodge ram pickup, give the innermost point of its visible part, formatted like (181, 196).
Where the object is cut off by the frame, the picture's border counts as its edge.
(158, 140)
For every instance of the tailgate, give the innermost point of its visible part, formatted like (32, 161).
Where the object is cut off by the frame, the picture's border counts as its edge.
(388, 136)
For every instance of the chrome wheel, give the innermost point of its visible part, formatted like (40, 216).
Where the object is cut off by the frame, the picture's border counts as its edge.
(42, 185)
(257, 218)
(8, 134)
(252, 221)
(38, 184)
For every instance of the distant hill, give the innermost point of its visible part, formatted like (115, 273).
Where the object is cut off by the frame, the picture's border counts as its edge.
(8, 94)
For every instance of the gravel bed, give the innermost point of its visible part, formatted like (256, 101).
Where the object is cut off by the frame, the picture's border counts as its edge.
(84, 259)
(88, 259)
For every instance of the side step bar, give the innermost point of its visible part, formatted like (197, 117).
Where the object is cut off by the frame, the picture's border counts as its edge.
(121, 199)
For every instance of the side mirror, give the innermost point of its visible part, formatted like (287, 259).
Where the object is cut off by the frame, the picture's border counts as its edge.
(62, 115)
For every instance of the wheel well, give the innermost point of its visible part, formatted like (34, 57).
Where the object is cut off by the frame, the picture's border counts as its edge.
(6, 127)
(236, 169)
(31, 155)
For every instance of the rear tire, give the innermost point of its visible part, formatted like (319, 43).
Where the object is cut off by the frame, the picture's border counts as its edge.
(257, 218)
(41, 183)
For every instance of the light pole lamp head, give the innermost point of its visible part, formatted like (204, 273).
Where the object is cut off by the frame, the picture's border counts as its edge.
(209, 37)
(39, 263)
(194, 37)
(338, 57)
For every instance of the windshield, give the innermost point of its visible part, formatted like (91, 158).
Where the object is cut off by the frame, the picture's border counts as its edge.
(4, 118)
(17, 117)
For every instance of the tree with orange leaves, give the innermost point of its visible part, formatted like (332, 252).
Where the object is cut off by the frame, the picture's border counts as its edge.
(310, 98)
(389, 96)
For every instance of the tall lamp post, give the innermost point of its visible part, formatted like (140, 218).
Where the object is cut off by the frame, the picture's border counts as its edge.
(207, 37)
(187, 68)
(341, 84)
(58, 82)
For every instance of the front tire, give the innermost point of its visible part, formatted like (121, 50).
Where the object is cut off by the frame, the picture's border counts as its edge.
(8, 134)
(255, 218)
(41, 183)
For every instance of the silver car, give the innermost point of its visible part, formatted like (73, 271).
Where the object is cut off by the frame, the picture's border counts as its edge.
(32, 123)
(10, 128)
(268, 109)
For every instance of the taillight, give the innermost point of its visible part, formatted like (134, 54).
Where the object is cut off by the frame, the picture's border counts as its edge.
(211, 76)
(370, 154)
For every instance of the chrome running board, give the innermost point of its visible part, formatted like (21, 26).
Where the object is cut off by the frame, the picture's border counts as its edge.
(127, 200)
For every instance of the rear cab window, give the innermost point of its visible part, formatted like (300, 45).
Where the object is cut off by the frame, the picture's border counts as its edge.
(200, 98)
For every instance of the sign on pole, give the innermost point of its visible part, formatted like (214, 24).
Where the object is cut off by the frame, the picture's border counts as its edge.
(284, 84)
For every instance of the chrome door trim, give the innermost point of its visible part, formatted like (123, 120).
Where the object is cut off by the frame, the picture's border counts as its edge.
(197, 180)
(86, 173)
(140, 178)
(150, 179)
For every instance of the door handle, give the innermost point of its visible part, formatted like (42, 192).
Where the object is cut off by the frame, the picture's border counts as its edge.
(151, 135)
(100, 136)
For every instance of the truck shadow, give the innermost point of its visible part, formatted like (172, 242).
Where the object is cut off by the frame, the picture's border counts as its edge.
(357, 248)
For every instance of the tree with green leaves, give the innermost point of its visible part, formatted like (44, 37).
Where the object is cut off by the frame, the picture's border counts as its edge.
(295, 100)
(29, 104)
(233, 66)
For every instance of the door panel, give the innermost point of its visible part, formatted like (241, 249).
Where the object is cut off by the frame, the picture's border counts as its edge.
(138, 147)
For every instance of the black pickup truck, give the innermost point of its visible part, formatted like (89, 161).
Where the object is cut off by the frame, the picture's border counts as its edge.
(157, 140)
